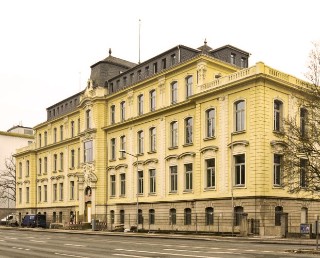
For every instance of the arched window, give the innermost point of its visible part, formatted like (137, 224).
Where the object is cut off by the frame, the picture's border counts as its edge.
(238, 210)
(277, 215)
(151, 216)
(112, 217)
(187, 216)
(173, 216)
(140, 217)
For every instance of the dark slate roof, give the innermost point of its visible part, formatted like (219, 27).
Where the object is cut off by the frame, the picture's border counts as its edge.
(115, 60)
(231, 47)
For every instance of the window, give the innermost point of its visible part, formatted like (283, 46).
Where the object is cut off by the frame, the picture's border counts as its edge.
(118, 84)
(122, 146)
(277, 161)
(113, 185)
(125, 81)
(140, 104)
(61, 161)
(123, 111)
(122, 184)
(173, 59)
(146, 71)
(39, 140)
(60, 191)
(139, 74)
(188, 130)
(72, 128)
(27, 168)
(173, 178)
(155, 68)
(303, 173)
(88, 118)
(20, 169)
(240, 115)
(140, 182)
(113, 148)
(55, 162)
(60, 216)
(187, 216)
(140, 217)
(243, 63)
(278, 210)
(233, 59)
(152, 100)
(188, 176)
(79, 126)
(110, 88)
(174, 93)
(88, 153)
(303, 122)
(210, 123)
(131, 78)
(72, 159)
(164, 63)
(238, 211)
(121, 216)
(152, 180)
(209, 216)
(304, 215)
(140, 142)
(151, 216)
(61, 133)
(240, 170)
(45, 138)
(189, 86)
(153, 142)
(55, 135)
(174, 134)
(27, 194)
(20, 195)
(211, 174)
(45, 193)
(173, 216)
(54, 217)
(112, 114)
(277, 116)
(79, 157)
(39, 193)
(112, 216)
(55, 192)
(71, 190)
(40, 166)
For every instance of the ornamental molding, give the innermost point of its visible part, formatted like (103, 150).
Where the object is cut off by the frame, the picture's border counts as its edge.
(209, 148)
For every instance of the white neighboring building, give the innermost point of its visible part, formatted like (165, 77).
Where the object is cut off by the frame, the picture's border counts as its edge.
(15, 138)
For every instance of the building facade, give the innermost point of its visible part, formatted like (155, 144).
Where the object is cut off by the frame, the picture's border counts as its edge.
(181, 141)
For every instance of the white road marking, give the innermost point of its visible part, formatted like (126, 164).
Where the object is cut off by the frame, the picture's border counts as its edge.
(267, 251)
(37, 241)
(170, 254)
(71, 255)
(128, 255)
(250, 250)
(179, 250)
(232, 249)
(74, 245)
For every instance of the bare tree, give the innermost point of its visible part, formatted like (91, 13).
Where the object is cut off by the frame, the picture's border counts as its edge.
(301, 138)
(8, 181)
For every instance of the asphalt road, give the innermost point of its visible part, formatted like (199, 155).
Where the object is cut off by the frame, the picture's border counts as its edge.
(17, 243)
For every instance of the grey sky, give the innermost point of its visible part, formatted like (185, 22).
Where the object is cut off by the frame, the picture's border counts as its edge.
(47, 46)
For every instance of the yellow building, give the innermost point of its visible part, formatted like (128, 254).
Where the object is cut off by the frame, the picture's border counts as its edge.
(187, 140)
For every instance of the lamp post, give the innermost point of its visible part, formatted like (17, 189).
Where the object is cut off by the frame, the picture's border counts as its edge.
(137, 158)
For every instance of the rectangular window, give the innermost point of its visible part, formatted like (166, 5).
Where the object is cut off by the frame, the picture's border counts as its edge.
(211, 174)
(240, 170)
(303, 173)
(173, 59)
(113, 185)
(20, 169)
(72, 159)
(174, 93)
(20, 195)
(61, 191)
(277, 169)
(155, 68)
(61, 133)
(55, 192)
(123, 111)
(40, 140)
(188, 130)
(152, 180)
(189, 84)
(140, 104)
(146, 71)
(174, 134)
(243, 63)
(45, 193)
(303, 122)
(122, 184)
(71, 190)
(40, 166)
(277, 116)
(139, 74)
(140, 182)
(113, 148)
(72, 128)
(240, 116)
(79, 157)
(164, 63)
(210, 123)
(61, 161)
(45, 165)
(45, 138)
(79, 126)
(39, 193)
(233, 59)
(173, 178)
(152, 100)
(88, 119)
(123, 146)
(131, 78)
(88, 152)
(112, 114)
(188, 176)
(27, 194)
(140, 142)
(27, 168)
(152, 139)
(55, 135)
(55, 162)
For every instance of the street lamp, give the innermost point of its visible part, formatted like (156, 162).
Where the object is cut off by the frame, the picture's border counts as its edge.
(137, 157)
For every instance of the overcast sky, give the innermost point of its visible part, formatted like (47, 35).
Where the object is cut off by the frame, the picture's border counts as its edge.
(48, 46)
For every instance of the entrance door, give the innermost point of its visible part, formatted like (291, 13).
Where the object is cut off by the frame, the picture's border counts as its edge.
(88, 211)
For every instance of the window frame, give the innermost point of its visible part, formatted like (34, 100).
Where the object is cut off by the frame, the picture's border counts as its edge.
(153, 139)
(210, 123)
(240, 116)
(152, 181)
(210, 174)
(277, 115)
(239, 170)
(188, 130)
(188, 173)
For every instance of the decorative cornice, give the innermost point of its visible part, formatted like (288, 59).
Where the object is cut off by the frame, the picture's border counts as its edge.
(121, 166)
(186, 154)
(171, 157)
(244, 142)
(213, 148)
(150, 161)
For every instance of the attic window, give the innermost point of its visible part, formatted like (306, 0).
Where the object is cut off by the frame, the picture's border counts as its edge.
(233, 59)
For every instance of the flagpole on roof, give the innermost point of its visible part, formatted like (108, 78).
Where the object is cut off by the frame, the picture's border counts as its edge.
(139, 38)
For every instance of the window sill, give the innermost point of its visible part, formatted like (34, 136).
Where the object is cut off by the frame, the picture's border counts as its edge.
(213, 188)
(60, 170)
(173, 192)
(140, 154)
(277, 187)
(72, 168)
(152, 152)
(187, 191)
(187, 144)
(152, 194)
(173, 148)
(54, 171)
(278, 132)
(111, 160)
(121, 158)
(239, 186)
(238, 132)
(209, 138)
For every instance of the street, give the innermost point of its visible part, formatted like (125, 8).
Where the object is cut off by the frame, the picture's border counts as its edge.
(20, 243)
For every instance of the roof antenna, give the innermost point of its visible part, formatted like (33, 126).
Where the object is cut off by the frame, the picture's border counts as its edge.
(110, 51)
(139, 38)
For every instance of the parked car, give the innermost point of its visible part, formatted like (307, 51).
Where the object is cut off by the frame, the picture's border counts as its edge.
(10, 219)
(34, 220)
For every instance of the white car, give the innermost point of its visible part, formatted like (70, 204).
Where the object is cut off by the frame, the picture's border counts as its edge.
(9, 220)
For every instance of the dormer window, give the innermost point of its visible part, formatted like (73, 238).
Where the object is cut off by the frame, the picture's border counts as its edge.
(173, 59)
(233, 59)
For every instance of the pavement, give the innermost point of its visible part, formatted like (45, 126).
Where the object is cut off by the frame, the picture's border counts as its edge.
(309, 245)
